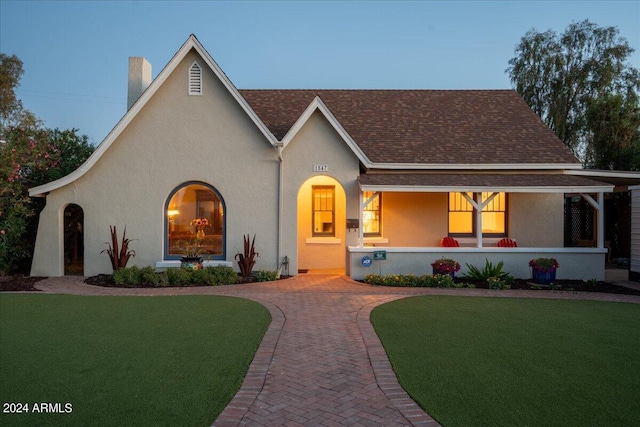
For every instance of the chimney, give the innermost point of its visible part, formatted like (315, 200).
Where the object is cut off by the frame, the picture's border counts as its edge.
(139, 78)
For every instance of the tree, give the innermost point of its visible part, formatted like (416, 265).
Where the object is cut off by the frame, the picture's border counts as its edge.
(12, 113)
(29, 156)
(562, 76)
(613, 122)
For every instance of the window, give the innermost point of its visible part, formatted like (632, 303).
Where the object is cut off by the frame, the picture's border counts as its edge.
(372, 214)
(323, 210)
(462, 215)
(187, 204)
(195, 79)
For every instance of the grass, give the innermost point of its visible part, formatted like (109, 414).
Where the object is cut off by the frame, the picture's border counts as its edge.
(134, 361)
(516, 362)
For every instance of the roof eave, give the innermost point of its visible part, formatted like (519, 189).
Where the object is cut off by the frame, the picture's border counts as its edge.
(475, 166)
(478, 189)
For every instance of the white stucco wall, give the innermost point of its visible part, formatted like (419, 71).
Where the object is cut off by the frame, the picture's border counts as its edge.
(575, 263)
(175, 138)
(537, 219)
(414, 219)
(317, 143)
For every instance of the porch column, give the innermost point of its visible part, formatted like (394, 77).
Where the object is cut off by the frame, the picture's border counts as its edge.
(360, 220)
(478, 206)
(598, 205)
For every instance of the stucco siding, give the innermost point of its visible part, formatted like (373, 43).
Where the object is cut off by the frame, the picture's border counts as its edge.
(536, 219)
(317, 143)
(175, 138)
(414, 219)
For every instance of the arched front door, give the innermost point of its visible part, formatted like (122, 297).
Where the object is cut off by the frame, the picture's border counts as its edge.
(73, 240)
(321, 224)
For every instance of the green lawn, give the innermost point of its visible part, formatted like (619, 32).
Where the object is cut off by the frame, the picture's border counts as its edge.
(516, 362)
(174, 361)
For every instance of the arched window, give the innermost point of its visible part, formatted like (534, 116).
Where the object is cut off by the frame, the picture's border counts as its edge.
(195, 216)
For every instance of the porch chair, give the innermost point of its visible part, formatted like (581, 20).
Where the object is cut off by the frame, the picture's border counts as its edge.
(507, 243)
(449, 242)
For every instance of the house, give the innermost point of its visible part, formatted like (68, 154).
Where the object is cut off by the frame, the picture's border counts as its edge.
(368, 181)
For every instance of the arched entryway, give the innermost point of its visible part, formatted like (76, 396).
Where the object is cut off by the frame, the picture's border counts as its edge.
(321, 224)
(73, 240)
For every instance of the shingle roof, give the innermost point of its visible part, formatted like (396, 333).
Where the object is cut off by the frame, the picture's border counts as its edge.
(467, 180)
(424, 126)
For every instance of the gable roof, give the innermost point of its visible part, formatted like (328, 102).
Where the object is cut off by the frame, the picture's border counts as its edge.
(448, 128)
(386, 129)
(192, 43)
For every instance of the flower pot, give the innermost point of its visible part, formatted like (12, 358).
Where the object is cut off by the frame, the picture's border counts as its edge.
(543, 277)
(191, 262)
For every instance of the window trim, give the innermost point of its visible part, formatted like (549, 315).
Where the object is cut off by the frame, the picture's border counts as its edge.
(379, 211)
(165, 217)
(474, 232)
(313, 211)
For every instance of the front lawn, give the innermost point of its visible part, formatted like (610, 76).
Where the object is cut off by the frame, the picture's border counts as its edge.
(124, 360)
(516, 362)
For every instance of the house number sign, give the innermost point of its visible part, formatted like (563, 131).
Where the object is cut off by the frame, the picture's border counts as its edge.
(321, 168)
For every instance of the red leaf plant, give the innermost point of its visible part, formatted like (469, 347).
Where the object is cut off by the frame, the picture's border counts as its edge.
(119, 254)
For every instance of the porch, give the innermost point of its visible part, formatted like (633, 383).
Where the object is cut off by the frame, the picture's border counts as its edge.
(478, 208)
(575, 263)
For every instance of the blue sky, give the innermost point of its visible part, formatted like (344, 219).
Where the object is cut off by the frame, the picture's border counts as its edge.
(75, 53)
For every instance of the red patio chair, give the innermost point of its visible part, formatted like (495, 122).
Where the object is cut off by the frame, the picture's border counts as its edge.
(507, 243)
(449, 242)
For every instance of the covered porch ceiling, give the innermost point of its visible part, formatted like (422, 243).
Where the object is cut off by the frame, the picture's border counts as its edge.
(483, 182)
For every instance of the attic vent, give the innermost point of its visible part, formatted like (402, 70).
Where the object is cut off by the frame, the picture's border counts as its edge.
(195, 79)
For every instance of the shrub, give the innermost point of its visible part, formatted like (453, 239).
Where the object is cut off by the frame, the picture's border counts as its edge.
(266, 275)
(128, 276)
(410, 280)
(213, 276)
(497, 283)
(489, 271)
(178, 277)
(147, 277)
(440, 281)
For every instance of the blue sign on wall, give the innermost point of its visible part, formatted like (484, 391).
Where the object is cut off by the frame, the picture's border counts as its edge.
(366, 261)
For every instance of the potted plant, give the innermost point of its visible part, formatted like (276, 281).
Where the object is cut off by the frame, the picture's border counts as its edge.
(445, 266)
(192, 250)
(543, 270)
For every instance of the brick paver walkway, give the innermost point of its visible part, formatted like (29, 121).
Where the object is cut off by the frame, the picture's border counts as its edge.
(320, 362)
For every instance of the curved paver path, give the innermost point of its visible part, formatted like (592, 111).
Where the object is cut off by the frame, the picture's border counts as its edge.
(320, 362)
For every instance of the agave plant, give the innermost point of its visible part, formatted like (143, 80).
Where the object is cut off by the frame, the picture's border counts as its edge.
(489, 271)
(119, 254)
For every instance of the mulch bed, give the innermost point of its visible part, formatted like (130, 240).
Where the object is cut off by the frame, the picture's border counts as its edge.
(25, 283)
(565, 285)
(19, 283)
